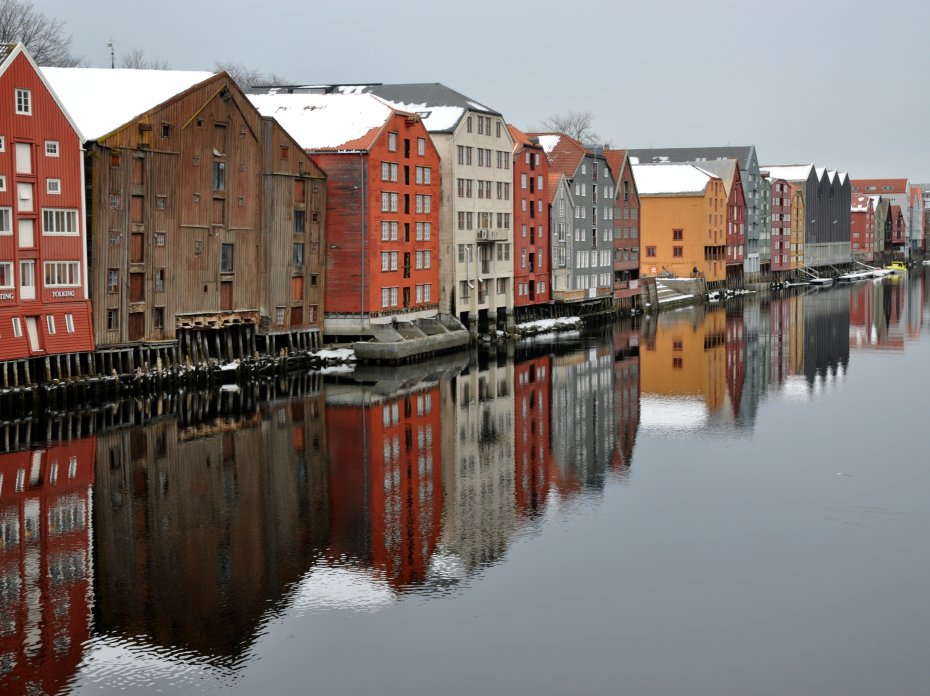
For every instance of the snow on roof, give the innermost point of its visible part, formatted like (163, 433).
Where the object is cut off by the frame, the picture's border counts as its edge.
(325, 121)
(819, 171)
(435, 118)
(788, 172)
(549, 142)
(102, 100)
(860, 203)
(665, 179)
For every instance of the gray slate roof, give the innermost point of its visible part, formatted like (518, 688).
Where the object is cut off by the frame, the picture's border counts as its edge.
(693, 154)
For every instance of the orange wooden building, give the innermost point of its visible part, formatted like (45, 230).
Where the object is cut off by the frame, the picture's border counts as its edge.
(683, 212)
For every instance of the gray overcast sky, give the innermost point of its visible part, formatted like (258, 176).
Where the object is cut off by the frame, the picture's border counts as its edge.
(841, 84)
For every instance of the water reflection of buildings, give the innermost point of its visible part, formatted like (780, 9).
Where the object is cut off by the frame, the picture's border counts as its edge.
(826, 336)
(200, 529)
(385, 476)
(876, 316)
(683, 369)
(584, 433)
(479, 481)
(45, 565)
(626, 394)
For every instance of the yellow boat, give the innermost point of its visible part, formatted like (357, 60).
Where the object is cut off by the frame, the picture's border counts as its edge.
(897, 267)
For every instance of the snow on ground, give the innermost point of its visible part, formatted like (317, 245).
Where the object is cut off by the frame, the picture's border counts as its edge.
(336, 354)
(674, 298)
(543, 325)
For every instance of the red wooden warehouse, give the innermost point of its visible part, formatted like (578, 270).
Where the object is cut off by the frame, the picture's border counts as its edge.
(382, 250)
(531, 223)
(626, 230)
(44, 305)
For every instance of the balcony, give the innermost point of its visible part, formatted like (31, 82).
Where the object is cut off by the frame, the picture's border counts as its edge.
(485, 267)
(490, 235)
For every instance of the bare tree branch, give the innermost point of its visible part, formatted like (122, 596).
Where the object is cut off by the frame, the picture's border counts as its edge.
(44, 37)
(577, 124)
(136, 60)
(247, 77)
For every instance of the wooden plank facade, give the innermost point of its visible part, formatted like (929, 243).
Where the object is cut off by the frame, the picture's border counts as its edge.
(44, 305)
(194, 209)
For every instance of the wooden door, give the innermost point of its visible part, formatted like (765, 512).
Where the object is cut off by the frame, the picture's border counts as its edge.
(136, 326)
(226, 295)
(27, 280)
(27, 235)
(23, 158)
(136, 287)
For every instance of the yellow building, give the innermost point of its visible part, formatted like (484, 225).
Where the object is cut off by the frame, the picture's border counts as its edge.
(685, 359)
(683, 216)
(797, 226)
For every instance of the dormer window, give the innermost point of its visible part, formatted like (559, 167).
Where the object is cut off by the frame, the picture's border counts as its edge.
(24, 102)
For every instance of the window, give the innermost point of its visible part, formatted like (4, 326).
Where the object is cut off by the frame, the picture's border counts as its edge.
(300, 219)
(53, 186)
(112, 280)
(112, 319)
(468, 124)
(298, 254)
(158, 317)
(6, 221)
(159, 280)
(2, 143)
(69, 323)
(50, 323)
(219, 176)
(159, 239)
(226, 258)
(2, 183)
(677, 251)
(17, 328)
(6, 275)
(421, 146)
(650, 251)
(62, 274)
(392, 142)
(24, 101)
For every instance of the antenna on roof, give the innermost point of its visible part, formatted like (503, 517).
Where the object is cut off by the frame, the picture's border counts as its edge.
(112, 57)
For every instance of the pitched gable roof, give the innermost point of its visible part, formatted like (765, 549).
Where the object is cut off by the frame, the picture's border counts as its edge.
(564, 153)
(897, 185)
(9, 52)
(860, 203)
(102, 100)
(726, 170)
(553, 182)
(789, 172)
(615, 160)
(521, 140)
(741, 153)
(338, 122)
(669, 179)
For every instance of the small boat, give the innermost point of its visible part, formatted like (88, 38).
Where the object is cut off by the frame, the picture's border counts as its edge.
(897, 267)
(821, 281)
(926, 262)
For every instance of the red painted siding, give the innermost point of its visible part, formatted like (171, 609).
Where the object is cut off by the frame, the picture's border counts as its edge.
(354, 218)
(531, 263)
(781, 225)
(626, 234)
(46, 124)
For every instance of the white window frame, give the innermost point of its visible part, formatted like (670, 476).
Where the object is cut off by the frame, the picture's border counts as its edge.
(69, 323)
(23, 101)
(2, 181)
(2, 143)
(6, 221)
(17, 327)
(11, 281)
(53, 212)
(52, 148)
(53, 187)
(50, 324)
(60, 269)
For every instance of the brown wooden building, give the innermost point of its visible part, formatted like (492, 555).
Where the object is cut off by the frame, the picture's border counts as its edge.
(206, 219)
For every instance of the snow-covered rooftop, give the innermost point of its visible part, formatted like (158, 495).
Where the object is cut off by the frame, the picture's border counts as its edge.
(325, 121)
(549, 142)
(101, 100)
(788, 172)
(435, 118)
(667, 179)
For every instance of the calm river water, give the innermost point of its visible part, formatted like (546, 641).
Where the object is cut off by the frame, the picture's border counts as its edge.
(725, 500)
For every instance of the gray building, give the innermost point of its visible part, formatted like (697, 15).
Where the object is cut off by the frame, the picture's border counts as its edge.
(827, 200)
(592, 187)
(758, 222)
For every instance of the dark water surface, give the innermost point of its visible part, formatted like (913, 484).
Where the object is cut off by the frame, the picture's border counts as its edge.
(725, 500)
